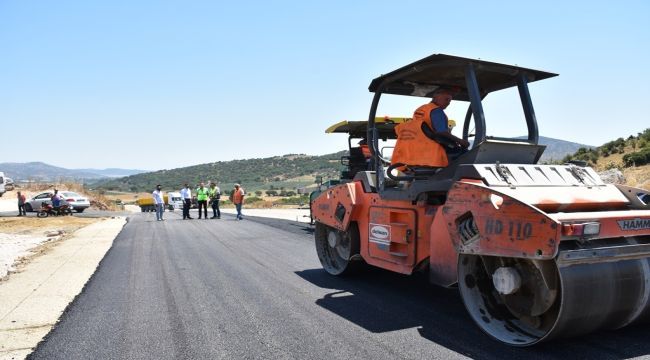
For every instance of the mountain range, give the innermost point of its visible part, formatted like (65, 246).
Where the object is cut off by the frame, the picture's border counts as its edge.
(39, 171)
(557, 149)
(113, 172)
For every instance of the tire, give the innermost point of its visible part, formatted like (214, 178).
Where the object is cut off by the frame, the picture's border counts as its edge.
(530, 313)
(28, 208)
(338, 251)
(42, 214)
(79, 210)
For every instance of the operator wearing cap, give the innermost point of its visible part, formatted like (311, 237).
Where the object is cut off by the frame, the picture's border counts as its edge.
(441, 124)
(365, 150)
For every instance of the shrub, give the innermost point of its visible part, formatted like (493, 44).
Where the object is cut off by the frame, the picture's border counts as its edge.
(637, 158)
(271, 193)
(296, 200)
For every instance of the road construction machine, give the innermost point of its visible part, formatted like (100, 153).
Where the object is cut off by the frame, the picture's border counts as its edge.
(358, 157)
(537, 251)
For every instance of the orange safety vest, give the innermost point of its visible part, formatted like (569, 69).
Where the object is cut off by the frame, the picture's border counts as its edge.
(365, 150)
(237, 196)
(413, 147)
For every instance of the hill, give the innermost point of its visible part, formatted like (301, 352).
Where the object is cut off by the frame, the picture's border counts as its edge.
(557, 149)
(277, 172)
(39, 171)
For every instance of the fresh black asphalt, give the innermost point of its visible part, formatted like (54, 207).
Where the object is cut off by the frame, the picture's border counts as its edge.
(254, 289)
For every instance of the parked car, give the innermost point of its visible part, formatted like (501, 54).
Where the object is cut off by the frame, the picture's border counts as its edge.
(77, 202)
(9, 184)
(34, 204)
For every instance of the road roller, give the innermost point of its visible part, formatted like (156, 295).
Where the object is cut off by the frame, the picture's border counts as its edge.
(537, 251)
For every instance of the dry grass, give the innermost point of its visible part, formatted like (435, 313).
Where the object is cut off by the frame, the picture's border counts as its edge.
(101, 202)
(638, 176)
(125, 197)
(37, 226)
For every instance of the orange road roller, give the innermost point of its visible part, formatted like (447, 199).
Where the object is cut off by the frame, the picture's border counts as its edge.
(537, 251)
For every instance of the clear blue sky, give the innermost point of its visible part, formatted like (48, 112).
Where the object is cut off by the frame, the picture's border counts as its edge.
(166, 84)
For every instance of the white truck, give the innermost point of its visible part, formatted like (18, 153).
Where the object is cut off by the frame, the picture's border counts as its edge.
(175, 200)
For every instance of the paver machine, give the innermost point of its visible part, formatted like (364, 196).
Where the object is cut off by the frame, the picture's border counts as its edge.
(537, 251)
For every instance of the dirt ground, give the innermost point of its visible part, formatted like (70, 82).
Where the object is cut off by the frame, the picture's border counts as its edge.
(24, 238)
(125, 197)
(37, 226)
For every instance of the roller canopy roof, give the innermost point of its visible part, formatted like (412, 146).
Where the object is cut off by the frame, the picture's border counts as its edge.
(385, 126)
(424, 76)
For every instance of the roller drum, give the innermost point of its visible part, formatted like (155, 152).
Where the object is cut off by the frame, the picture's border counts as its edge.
(607, 295)
(553, 298)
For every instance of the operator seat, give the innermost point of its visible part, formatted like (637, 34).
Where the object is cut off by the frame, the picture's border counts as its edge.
(356, 162)
(411, 171)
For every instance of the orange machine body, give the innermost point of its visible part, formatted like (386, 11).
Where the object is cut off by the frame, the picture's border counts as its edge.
(403, 236)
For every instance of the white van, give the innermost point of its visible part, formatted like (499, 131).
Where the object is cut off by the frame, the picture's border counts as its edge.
(2, 184)
(174, 200)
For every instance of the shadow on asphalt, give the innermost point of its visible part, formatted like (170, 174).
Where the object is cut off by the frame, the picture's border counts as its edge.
(381, 301)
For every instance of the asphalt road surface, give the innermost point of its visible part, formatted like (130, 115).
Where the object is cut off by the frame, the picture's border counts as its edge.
(254, 289)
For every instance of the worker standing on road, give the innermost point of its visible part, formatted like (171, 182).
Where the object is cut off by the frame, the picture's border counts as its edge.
(202, 199)
(237, 198)
(160, 202)
(186, 194)
(215, 195)
(21, 204)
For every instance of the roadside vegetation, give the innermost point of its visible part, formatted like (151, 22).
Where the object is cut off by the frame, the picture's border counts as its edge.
(277, 181)
(631, 156)
(278, 173)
